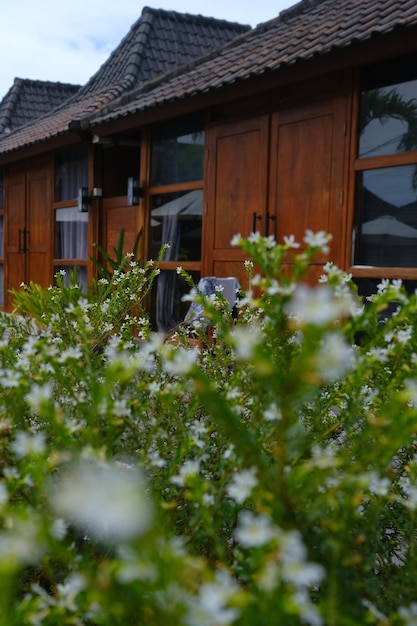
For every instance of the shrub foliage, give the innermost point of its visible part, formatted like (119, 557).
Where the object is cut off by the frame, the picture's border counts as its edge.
(264, 473)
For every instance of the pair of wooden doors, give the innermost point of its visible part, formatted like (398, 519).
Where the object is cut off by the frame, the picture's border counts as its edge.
(279, 175)
(28, 234)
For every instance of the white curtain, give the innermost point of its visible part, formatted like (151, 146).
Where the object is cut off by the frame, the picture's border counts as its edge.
(167, 280)
(71, 234)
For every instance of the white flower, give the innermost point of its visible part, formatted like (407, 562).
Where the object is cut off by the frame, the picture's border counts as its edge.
(295, 568)
(404, 335)
(68, 591)
(272, 413)
(318, 305)
(26, 444)
(59, 528)
(380, 354)
(242, 484)
(211, 608)
(189, 468)
(410, 493)
(409, 614)
(318, 240)
(254, 530)
(181, 360)
(236, 240)
(107, 500)
(38, 395)
(335, 357)
(21, 543)
(290, 242)
(245, 340)
(377, 485)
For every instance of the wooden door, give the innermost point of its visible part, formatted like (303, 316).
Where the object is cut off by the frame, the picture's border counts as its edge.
(307, 173)
(237, 178)
(14, 235)
(28, 230)
(39, 236)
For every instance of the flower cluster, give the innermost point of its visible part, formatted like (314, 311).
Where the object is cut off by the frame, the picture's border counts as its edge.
(260, 471)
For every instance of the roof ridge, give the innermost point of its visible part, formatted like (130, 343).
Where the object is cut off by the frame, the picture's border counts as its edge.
(143, 23)
(298, 8)
(140, 32)
(11, 98)
(196, 17)
(128, 96)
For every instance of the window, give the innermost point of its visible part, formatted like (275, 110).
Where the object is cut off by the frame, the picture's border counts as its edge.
(177, 152)
(176, 209)
(386, 171)
(71, 226)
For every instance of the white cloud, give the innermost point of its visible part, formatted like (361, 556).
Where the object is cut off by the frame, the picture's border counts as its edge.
(68, 42)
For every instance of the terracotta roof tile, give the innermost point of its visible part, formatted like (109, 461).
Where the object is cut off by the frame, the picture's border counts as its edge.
(157, 43)
(28, 99)
(309, 28)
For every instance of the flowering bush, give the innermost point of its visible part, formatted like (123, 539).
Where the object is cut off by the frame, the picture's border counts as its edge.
(264, 473)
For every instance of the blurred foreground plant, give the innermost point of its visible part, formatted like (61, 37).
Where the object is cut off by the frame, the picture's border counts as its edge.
(267, 476)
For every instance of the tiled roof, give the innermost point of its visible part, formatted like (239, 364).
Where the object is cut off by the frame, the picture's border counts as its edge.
(157, 43)
(309, 28)
(139, 74)
(28, 99)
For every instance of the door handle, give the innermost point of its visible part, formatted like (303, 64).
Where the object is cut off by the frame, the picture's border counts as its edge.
(25, 240)
(270, 217)
(255, 218)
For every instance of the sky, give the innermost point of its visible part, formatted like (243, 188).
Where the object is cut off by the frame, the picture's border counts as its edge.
(69, 41)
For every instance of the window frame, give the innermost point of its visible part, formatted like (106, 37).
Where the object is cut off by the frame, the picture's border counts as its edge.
(151, 191)
(364, 164)
(59, 264)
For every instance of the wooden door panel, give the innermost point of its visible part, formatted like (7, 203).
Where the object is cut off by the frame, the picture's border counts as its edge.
(38, 220)
(303, 189)
(15, 199)
(115, 216)
(307, 172)
(15, 258)
(118, 217)
(237, 179)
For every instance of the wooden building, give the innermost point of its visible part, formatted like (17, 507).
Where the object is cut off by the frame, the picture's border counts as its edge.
(197, 129)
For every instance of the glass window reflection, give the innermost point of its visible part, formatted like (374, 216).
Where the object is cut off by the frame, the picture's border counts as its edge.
(71, 173)
(387, 217)
(178, 153)
(388, 110)
(176, 219)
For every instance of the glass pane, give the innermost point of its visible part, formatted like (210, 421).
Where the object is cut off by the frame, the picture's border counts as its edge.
(369, 286)
(388, 113)
(71, 173)
(168, 309)
(387, 217)
(178, 152)
(81, 275)
(71, 234)
(176, 220)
